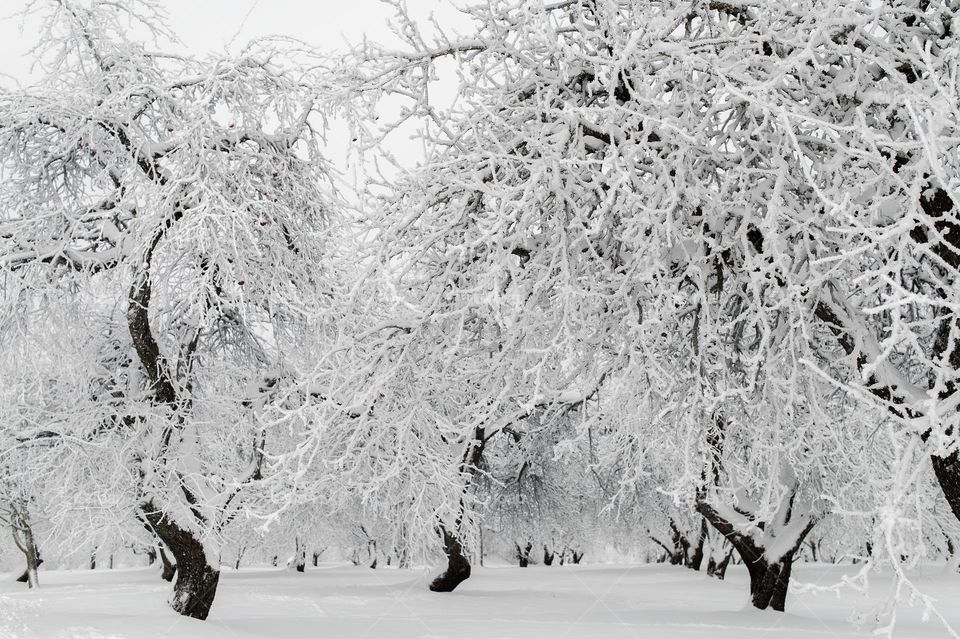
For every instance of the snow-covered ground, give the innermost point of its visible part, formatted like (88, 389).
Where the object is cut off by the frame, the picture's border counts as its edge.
(595, 602)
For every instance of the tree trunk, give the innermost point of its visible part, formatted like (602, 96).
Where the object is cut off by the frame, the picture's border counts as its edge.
(697, 559)
(575, 556)
(301, 558)
(23, 538)
(719, 570)
(169, 568)
(523, 554)
(196, 585)
(547, 556)
(458, 567)
(241, 551)
(813, 550)
(769, 582)
(947, 470)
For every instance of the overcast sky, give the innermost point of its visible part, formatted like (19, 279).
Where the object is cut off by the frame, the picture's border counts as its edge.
(212, 25)
(227, 25)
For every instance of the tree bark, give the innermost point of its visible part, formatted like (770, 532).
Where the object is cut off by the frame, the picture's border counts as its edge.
(547, 556)
(769, 580)
(696, 560)
(301, 557)
(169, 568)
(719, 569)
(23, 538)
(458, 567)
(196, 584)
(523, 554)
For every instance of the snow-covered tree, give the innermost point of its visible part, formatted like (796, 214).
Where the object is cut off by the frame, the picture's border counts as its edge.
(178, 204)
(658, 197)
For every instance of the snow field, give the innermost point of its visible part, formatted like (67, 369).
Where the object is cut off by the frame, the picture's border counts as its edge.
(336, 601)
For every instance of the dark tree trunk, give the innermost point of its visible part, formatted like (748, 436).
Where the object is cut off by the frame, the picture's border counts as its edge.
(947, 470)
(769, 581)
(301, 556)
(93, 560)
(547, 557)
(576, 557)
(151, 555)
(29, 575)
(719, 570)
(458, 567)
(169, 568)
(241, 551)
(523, 554)
(813, 549)
(196, 585)
(680, 545)
(696, 560)
(25, 542)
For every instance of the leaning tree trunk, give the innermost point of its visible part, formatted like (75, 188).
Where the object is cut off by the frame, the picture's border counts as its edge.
(458, 566)
(196, 585)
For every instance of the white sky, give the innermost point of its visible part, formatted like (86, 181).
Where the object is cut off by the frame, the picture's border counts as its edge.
(212, 25)
(219, 25)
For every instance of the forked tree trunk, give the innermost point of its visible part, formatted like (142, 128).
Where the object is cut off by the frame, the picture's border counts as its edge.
(523, 554)
(458, 566)
(718, 569)
(547, 556)
(576, 557)
(196, 584)
(769, 580)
